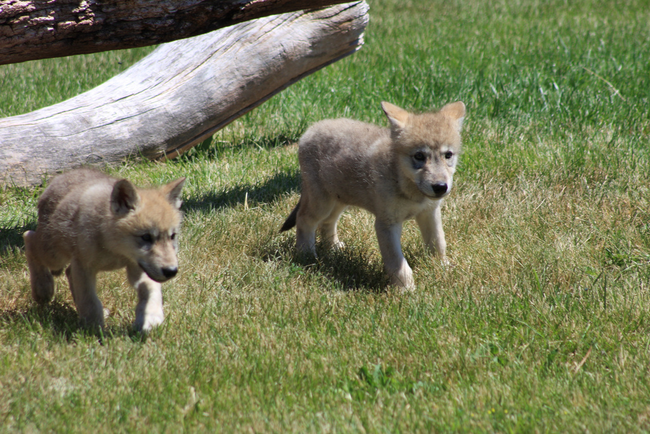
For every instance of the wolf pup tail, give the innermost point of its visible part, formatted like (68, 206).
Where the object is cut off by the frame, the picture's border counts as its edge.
(290, 222)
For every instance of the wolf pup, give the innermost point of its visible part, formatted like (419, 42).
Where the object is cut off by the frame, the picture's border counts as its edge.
(397, 174)
(97, 223)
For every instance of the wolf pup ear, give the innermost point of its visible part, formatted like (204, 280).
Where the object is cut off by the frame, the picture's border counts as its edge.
(396, 115)
(173, 192)
(124, 197)
(456, 111)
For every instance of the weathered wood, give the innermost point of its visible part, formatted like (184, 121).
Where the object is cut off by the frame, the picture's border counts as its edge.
(38, 29)
(179, 95)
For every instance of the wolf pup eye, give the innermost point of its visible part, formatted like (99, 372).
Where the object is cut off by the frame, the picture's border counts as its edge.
(147, 238)
(173, 236)
(448, 155)
(419, 156)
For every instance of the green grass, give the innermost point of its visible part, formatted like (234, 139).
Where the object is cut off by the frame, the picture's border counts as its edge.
(542, 325)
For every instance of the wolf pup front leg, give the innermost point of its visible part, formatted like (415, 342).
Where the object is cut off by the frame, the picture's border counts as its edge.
(430, 224)
(149, 310)
(398, 270)
(97, 223)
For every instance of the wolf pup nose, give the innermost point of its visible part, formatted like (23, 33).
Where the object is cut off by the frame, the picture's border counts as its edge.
(96, 223)
(169, 272)
(397, 173)
(439, 189)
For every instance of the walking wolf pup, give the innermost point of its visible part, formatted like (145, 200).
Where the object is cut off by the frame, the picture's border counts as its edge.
(97, 223)
(396, 173)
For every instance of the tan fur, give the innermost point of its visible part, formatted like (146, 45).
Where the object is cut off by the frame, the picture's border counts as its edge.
(397, 174)
(97, 223)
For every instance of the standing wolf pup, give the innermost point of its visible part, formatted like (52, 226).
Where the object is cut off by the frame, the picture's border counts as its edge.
(397, 174)
(97, 223)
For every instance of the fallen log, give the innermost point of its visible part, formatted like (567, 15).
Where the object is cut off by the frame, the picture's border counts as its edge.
(39, 29)
(179, 95)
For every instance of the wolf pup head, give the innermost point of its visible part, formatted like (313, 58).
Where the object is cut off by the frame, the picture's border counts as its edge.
(428, 146)
(148, 221)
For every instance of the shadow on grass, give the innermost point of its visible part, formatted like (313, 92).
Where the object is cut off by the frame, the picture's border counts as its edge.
(352, 268)
(62, 321)
(211, 149)
(268, 191)
(12, 237)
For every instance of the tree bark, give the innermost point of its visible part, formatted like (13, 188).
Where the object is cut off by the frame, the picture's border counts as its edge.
(38, 29)
(179, 95)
